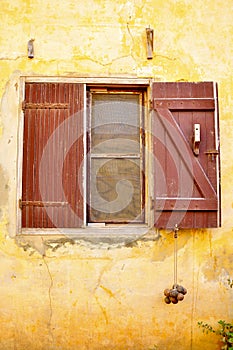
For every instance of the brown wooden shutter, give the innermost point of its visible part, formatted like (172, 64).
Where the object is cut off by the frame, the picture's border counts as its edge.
(187, 186)
(52, 155)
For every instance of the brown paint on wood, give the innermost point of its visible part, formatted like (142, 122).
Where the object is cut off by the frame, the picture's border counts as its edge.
(54, 131)
(178, 106)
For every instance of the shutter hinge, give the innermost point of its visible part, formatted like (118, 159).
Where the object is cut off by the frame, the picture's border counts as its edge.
(41, 204)
(213, 153)
(23, 105)
(152, 203)
(151, 104)
(44, 105)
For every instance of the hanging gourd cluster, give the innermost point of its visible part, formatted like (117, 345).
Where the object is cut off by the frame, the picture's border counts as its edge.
(175, 294)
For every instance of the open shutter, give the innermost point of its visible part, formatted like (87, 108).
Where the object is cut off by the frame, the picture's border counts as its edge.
(52, 155)
(186, 169)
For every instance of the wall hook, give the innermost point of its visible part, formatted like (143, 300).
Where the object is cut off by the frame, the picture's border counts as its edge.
(31, 48)
(149, 42)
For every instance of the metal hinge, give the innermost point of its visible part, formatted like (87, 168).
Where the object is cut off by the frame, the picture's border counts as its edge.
(44, 105)
(213, 153)
(152, 203)
(41, 204)
(151, 104)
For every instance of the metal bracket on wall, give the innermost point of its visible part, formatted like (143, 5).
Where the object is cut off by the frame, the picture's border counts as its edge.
(149, 42)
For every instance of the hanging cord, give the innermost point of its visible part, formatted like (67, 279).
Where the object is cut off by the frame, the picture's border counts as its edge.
(175, 253)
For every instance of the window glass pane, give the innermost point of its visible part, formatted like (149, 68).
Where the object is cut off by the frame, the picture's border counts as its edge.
(115, 123)
(115, 190)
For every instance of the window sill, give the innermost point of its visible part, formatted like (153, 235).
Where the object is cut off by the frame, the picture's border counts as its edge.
(122, 234)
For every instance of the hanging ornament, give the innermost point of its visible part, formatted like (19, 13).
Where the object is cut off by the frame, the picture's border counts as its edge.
(177, 292)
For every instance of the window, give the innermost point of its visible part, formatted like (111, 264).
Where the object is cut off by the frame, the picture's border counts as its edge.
(95, 155)
(115, 171)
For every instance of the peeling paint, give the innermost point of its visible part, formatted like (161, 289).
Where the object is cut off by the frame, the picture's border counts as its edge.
(3, 187)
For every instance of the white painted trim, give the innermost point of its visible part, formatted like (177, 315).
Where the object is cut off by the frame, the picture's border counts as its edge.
(150, 159)
(88, 80)
(104, 237)
(20, 155)
(217, 145)
(85, 156)
(107, 231)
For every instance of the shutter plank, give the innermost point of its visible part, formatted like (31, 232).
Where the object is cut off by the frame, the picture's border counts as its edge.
(188, 103)
(184, 204)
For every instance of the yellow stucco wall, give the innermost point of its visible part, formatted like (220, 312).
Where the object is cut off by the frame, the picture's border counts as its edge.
(89, 297)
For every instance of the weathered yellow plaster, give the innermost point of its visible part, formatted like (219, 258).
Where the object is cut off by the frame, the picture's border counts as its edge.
(58, 294)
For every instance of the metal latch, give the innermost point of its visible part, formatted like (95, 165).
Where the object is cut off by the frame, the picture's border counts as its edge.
(196, 138)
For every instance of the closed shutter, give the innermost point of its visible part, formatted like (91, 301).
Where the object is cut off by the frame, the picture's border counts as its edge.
(187, 185)
(52, 155)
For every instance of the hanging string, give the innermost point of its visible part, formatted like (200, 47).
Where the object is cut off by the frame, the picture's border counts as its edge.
(175, 254)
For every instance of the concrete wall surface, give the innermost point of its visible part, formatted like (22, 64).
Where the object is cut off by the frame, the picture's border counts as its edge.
(61, 294)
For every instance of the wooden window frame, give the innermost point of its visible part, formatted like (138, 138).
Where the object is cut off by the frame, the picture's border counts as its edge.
(118, 91)
(123, 231)
(85, 231)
